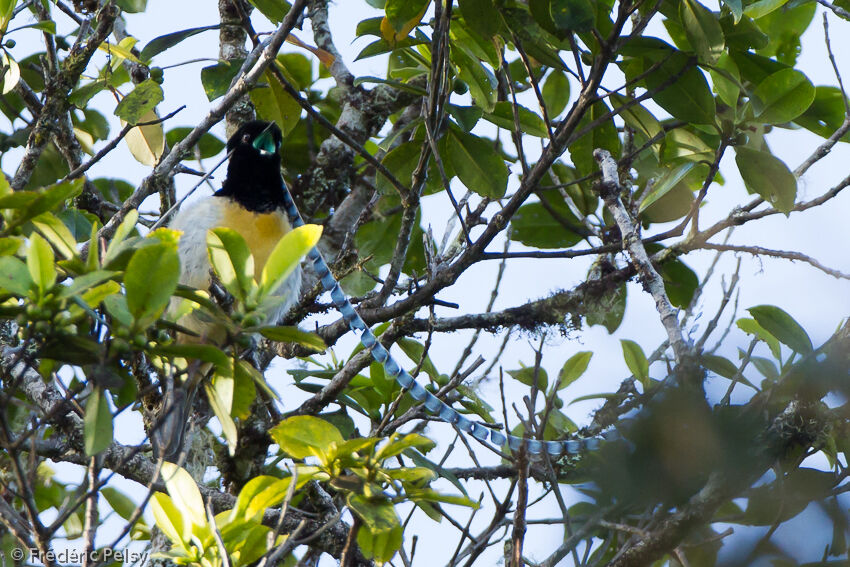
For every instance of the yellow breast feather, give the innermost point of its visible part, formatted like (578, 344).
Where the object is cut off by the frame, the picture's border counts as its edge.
(261, 231)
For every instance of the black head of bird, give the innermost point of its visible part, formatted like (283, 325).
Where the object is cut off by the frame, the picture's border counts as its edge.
(253, 174)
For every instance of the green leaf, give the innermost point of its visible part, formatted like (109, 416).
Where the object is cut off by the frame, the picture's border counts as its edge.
(294, 335)
(766, 367)
(726, 80)
(274, 104)
(81, 96)
(526, 376)
(466, 116)
(118, 501)
(232, 261)
(143, 98)
(609, 310)
(573, 368)
(572, 15)
(127, 225)
(381, 534)
(120, 50)
(287, 255)
(703, 30)
(269, 496)
(782, 326)
(305, 435)
(534, 225)
(274, 10)
(184, 494)
(556, 92)
(602, 135)
(297, 69)
(207, 353)
(132, 6)
(208, 145)
(116, 306)
(168, 519)
(97, 423)
(477, 164)
(784, 28)
(220, 396)
(159, 264)
(719, 365)
(401, 161)
(396, 446)
(30, 204)
(159, 44)
(7, 9)
(826, 113)
(251, 490)
(481, 16)
(784, 498)
(481, 81)
(636, 116)
(782, 96)
(529, 122)
(216, 78)
(369, 26)
(85, 282)
(636, 360)
(680, 88)
(381, 46)
(736, 8)
(414, 351)
(94, 296)
(55, 231)
(751, 327)
(404, 15)
(665, 183)
(767, 176)
(763, 7)
(40, 263)
(680, 283)
(244, 390)
(9, 246)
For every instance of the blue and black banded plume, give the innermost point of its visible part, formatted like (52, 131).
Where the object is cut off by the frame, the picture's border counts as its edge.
(433, 404)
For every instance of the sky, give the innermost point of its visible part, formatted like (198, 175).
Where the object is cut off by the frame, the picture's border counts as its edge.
(816, 300)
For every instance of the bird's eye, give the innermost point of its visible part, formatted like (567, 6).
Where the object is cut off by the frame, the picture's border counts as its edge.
(246, 138)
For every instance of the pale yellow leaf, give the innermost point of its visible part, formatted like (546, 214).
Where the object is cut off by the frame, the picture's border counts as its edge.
(11, 73)
(146, 143)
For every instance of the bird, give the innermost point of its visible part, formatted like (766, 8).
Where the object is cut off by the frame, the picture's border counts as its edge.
(249, 202)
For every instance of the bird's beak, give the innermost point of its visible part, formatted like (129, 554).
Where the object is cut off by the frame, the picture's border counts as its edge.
(265, 143)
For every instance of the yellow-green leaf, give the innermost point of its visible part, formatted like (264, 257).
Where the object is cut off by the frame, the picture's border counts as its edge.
(221, 409)
(185, 495)
(14, 276)
(40, 263)
(168, 518)
(287, 255)
(294, 335)
(305, 435)
(231, 258)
